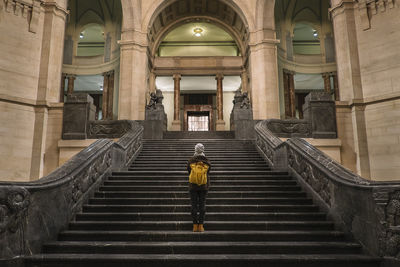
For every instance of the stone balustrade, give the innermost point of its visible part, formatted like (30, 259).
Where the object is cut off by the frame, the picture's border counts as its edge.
(32, 213)
(357, 205)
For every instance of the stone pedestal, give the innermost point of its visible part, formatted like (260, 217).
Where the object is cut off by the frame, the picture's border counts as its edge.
(176, 126)
(242, 123)
(220, 125)
(155, 124)
(78, 111)
(319, 110)
(242, 117)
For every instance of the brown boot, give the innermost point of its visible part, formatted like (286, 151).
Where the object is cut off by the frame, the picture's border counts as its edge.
(195, 227)
(201, 228)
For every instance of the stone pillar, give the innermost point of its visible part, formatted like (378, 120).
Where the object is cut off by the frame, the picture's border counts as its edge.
(289, 93)
(350, 86)
(104, 108)
(176, 124)
(78, 111)
(264, 75)
(71, 84)
(220, 103)
(62, 88)
(319, 111)
(327, 82)
(336, 86)
(133, 75)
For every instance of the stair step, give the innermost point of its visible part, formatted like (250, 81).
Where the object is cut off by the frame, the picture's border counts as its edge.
(202, 248)
(184, 188)
(184, 182)
(210, 236)
(213, 216)
(211, 225)
(195, 260)
(210, 201)
(210, 208)
(211, 194)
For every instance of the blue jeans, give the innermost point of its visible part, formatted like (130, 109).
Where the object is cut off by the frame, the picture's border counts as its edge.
(198, 200)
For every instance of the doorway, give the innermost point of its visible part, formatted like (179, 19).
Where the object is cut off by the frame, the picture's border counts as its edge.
(198, 121)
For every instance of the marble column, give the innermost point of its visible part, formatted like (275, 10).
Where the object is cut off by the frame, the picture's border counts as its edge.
(244, 78)
(292, 95)
(327, 82)
(110, 97)
(289, 93)
(104, 108)
(71, 83)
(220, 103)
(62, 87)
(336, 86)
(176, 124)
(152, 82)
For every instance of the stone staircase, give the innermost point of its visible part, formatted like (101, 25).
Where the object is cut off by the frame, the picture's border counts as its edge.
(255, 217)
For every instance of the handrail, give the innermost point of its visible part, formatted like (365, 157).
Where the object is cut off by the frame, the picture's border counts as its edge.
(367, 210)
(34, 212)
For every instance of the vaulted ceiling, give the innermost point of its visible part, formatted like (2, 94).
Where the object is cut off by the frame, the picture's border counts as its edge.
(94, 11)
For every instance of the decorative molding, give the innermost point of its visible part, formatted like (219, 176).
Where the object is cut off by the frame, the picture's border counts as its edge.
(108, 129)
(369, 8)
(26, 10)
(14, 202)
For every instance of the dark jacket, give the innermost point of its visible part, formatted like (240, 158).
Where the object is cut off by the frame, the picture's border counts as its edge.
(195, 159)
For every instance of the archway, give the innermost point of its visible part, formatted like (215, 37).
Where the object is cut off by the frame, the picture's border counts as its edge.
(197, 18)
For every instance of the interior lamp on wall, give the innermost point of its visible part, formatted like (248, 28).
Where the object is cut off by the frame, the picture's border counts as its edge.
(198, 32)
(81, 35)
(315, 33)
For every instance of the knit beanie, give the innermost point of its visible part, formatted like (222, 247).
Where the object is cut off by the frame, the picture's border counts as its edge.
(199, 150)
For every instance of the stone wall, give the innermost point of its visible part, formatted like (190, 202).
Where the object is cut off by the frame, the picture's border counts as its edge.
(32, 37)
(16, 140)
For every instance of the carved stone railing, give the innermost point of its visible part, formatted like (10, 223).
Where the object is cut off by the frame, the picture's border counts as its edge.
(290, 128)
(108, 129)
(369, 211)
(34, 212)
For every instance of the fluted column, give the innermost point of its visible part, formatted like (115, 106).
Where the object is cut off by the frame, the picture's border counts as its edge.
(71, 83)
(176, 124)
(220, 103)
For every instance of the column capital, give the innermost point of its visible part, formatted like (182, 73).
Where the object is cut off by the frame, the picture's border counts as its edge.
(289, 72)
(219, 76)
(70, 76)
(177, 77)
(326, 74)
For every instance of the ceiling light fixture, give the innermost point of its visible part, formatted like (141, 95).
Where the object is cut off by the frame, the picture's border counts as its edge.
(198, 31)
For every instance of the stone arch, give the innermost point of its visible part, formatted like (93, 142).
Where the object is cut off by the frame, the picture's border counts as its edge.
(174, 13)
(265, 14)
(237, 5)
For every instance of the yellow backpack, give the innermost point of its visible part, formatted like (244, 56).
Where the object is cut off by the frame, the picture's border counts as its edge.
(198, 174)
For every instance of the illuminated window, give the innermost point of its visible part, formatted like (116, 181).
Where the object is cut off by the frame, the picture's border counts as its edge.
(198, 123)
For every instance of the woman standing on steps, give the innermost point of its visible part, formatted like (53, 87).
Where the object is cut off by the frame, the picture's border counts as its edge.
(198, 168)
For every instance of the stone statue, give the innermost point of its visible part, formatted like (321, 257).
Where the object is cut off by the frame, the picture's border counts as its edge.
(241, 100)
(155, 101)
